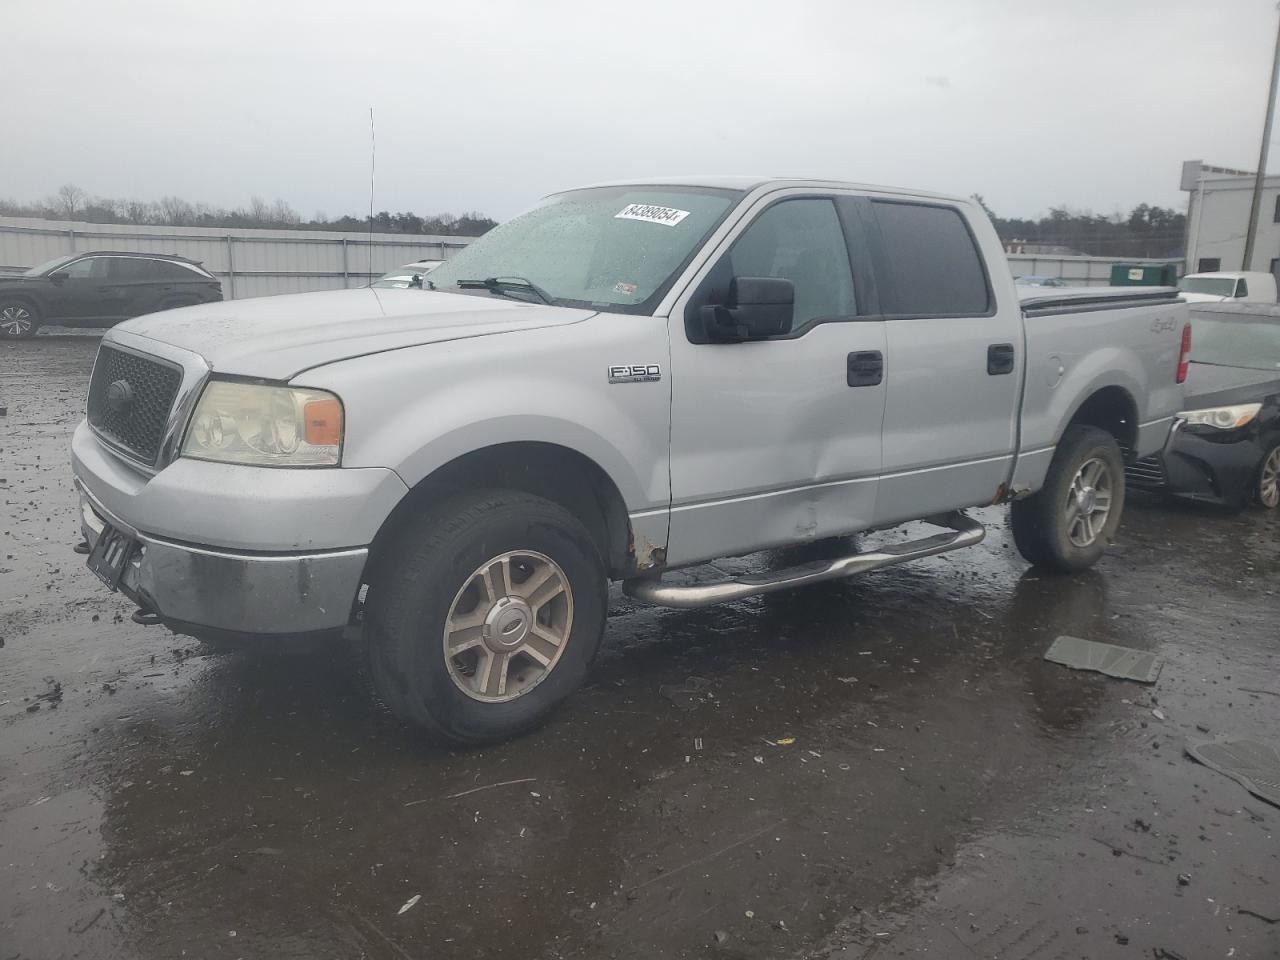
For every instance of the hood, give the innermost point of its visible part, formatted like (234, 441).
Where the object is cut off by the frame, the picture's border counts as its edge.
(279, 337)
(1209, 385)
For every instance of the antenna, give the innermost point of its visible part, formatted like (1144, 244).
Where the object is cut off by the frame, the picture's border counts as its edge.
(373, 170)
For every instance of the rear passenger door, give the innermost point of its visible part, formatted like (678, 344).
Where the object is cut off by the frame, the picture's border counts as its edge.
(137, 286)
(953, 361)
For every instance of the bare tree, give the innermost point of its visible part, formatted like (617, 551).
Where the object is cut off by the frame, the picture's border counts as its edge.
(136, 211)
(69, 200)
(258, 210)
(284, 214)
(175, 211)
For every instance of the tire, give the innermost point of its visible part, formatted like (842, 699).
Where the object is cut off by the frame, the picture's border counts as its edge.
(1266, 486)
(1048, 528)
(19, 319)
(435, 586)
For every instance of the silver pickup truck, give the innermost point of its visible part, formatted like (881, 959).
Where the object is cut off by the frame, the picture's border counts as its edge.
(624, 380)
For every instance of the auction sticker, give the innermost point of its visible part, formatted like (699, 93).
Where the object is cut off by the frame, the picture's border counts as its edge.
(667, 216)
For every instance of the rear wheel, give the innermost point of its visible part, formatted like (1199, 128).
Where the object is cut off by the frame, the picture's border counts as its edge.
(1066, 525)
(483, 615)
(1267, 491)
(18, 320)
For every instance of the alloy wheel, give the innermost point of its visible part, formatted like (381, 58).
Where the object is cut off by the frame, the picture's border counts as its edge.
(1089, 502)
(16, 321)
(508, 626)
(1269, 481)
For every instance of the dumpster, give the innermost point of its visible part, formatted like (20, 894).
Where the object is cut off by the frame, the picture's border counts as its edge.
(1144, 275)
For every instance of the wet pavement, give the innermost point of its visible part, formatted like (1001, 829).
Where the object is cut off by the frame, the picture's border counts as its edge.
(879, 768)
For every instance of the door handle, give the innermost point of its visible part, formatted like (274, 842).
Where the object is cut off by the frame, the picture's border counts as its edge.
(865, 368)
(1000, 359)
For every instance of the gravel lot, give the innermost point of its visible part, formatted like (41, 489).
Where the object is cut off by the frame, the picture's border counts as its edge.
(879, 768)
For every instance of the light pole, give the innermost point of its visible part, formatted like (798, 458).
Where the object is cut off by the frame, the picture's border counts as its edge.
(1251, 232)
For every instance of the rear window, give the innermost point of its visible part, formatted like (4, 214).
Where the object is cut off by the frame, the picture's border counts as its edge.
(933, 265)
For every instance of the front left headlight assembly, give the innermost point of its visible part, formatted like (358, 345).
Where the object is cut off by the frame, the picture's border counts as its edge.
(266, 426)
(1223, 418)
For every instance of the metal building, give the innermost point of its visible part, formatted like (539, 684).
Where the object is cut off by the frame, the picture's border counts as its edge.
(1218, 217)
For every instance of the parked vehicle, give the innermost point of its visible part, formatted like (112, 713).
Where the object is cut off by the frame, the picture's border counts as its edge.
(1225, 447)
(100, 289)
(1251, 286)
(410, 275)
(624, 380)
(1032, 280)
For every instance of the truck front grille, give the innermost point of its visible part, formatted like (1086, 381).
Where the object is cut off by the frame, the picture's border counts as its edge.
(1147, 472)
(130, 397)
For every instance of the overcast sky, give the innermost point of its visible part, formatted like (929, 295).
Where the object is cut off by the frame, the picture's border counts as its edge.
(488, 105)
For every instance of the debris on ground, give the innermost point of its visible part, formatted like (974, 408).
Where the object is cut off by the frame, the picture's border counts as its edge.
(1122, 663)
(1256, 766)
(409, 904)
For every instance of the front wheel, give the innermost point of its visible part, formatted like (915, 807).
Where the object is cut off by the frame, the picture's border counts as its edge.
(1066, 525)
(18, 320)
(1267, 491)
(483, 615)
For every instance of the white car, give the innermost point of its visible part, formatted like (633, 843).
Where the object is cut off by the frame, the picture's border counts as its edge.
(410, 275)
(1248, 286)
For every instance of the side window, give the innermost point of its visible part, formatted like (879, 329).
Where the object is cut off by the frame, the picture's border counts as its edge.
(90, 268)
(801, 241)
(932, 262)
(131, 269)
(170, 271)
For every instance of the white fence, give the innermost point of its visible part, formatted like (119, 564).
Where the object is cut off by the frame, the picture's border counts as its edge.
(257, 263)
(250, 263)
(1078, 271)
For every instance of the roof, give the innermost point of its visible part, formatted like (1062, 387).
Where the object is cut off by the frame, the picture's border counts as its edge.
(134, 253)
(746, 184)
(1257, 311)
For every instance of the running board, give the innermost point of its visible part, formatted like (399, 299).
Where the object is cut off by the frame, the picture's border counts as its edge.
(965, 533)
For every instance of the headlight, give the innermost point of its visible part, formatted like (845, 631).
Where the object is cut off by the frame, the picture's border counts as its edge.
(1223, 418)
(265, 426)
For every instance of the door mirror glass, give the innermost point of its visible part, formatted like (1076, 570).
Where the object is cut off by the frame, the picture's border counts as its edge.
(758, 308)
(57, 276)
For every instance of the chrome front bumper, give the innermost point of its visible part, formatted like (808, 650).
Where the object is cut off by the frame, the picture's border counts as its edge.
(226, 591)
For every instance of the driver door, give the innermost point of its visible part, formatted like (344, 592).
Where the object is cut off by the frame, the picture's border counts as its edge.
(84, 292)
(776, 441)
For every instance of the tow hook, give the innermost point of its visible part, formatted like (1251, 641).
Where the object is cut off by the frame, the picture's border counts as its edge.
(146, 618)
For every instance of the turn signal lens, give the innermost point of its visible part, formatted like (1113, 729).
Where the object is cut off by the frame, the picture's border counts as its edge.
(323, 422)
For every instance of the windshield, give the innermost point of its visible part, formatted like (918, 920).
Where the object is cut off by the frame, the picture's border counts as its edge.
(47, 266)
(1250, 342)
(609, 248)
(1218, 286)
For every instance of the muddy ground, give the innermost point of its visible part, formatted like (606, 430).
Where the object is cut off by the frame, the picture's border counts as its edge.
(878, 768)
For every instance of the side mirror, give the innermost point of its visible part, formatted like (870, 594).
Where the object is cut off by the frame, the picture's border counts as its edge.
(758, 308)
(57, 276)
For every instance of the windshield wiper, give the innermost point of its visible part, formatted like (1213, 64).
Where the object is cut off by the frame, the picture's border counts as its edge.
(506, 286)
